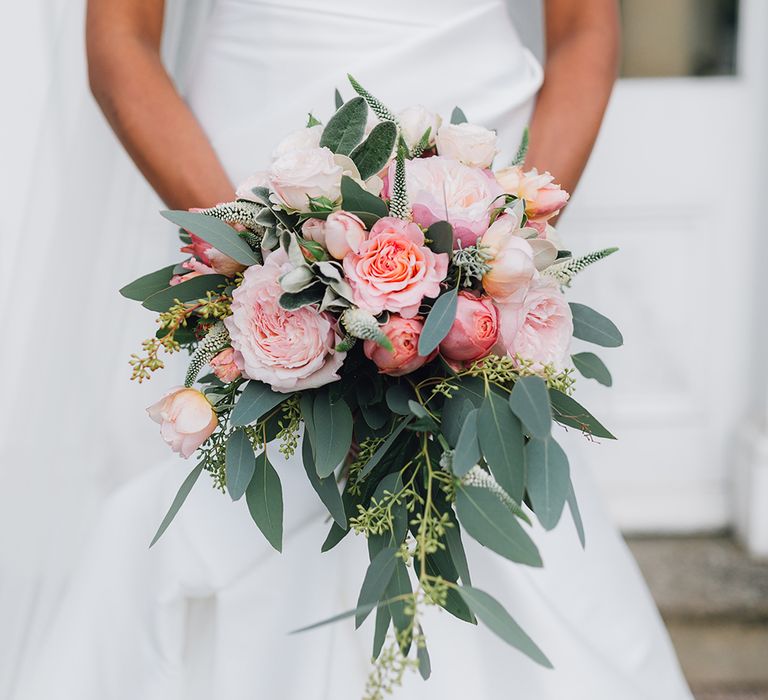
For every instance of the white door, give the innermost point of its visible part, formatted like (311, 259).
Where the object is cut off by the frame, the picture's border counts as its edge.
(672, 182)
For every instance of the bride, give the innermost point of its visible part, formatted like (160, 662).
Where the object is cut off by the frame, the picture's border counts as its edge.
(204, 614)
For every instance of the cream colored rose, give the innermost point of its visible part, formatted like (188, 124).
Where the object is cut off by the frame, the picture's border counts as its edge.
(414, 122)
(471, 144)
(186, 419)
(297, 176)
(512, 261)
(299, 141)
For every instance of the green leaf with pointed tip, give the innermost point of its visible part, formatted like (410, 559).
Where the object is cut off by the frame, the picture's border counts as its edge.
(326, 489)
(264, 496)
(376, 580)
(486, 519)
(439, 322)
(189, 290)
(548, 479)
(501, 441)
(592, 367)
(178, 501)
(425, 665)
(593, 327)
(337, 618)
(397, 397)
(529, 401)
(455, 412)
(374, 153)
(467, 452)
(256, 401)
(400, 585)
(240, 463)
(345, 129)
(215, 232)
(383, 618)
(333, 432)
(570, 412)
(440, 235)
(500, 622)
(366, 206)
(310, 295)
(573, 506)
(456, 549)
(146, 285)
(458, 116)
(384, 447)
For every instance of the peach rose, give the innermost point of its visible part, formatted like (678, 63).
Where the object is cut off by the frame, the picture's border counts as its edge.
(540, 328)
(186, 419)
(289, 350)
(394, 270)
(511, 264)
(543, 197)
(475, 329)
(344, 232)
(442, 189)
(404, 357)
(225, 367)
(470, 144)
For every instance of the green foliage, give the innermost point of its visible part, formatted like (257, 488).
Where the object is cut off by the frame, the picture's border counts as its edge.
(146, 285)
(529, 401)
(256, 400)
(501, 443)
(467, 452)
(593, 327)
(458, 116)
(440, 237)
(345, 128)
(522, 149)
(377, 106)
(398, 205)
(332, 434)
(439, 321)
(264, 496)
(354, 199)
(189, 290)
(178, 501)
(241, 463)
(548, 479)
(326, 488)
(592, 367)
(374, 153)
(570, 412)
(376, 581)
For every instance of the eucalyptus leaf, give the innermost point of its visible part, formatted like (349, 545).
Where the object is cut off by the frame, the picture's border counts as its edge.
(384, 447)
(383, 618)
(189, 290)
(500, 622)
(570, 412)
(425, 665)
(326, 489)
(146, 285)
(467, 451)
(456, 549)
(337, 618)
(333, 432)
(501, 442)
(399, 586)
(593, 327)
(486, 519)
(375, 415)
(529, 401)
(440, 235)
(257, 400)
(439, 322)
(374, 153)
(455, 412)
(215, 232)
(366, 206)
(458, 116)
(573, 506)
(240, 463)
(178, 501)
(397, 397)
(264, 496)
(346, 127)
(376, 580)
(592, 367)
(548, 480)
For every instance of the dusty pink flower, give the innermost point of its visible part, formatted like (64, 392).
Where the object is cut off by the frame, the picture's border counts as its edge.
(540, 328)
(344, 232)
(404, 357)
(442, 189)
(475, 329)
(512, 261)
(394, 270)
(543, 197)
(289, 350)
(186, 419)
(225, 367)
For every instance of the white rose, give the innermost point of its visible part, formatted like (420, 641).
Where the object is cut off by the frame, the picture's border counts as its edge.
(299, 175)
(299, 140)
(414, 121)
(473, 145)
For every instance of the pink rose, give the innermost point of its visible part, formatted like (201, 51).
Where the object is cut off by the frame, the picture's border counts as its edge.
(475, 329)
(225, 367)
(394, 270)
(512, 265)
(289, 350)
(186, 419)
(344, 232)
(540, 328)
(314, 230)
(404, 357)
(297, 176)
(543, 197)
(442, 189)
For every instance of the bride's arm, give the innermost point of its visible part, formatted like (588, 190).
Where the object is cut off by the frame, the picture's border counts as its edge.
(143, 107)
(582, 39)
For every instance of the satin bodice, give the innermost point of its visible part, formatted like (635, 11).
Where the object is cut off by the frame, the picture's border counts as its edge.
(263, 66)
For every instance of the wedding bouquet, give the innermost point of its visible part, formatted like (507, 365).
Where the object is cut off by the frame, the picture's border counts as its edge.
(384, 303)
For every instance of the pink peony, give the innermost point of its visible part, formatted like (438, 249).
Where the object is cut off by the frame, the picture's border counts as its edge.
(543, 197)
(475, 329)
(512, 266)
(442, 189)
(539, 328)
(186, 419)
(225, 367)
(289, 350)
(394, 270)
(404, 357)
(344, 232)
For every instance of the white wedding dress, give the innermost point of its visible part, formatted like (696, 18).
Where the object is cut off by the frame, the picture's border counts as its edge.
(205, 613)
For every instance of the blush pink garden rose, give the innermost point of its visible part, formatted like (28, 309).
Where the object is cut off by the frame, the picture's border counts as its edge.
(186, 419)
(475, 329)
(540, 328)
(297, 175)
(343, 233)
(314, 230)
(404, 357)
(544, 198)
(393, 269)
(289, 350)
(471, 144)
(442, 189)
(512, 266)
(225, 367)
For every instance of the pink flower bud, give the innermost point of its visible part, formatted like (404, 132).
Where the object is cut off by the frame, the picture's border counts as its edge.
(344, 232)
(224, 366)
(474, 331)
(186, 419)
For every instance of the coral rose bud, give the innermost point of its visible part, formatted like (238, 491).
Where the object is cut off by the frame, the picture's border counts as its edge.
(344, 232)
(186, 419)
(543, 197)
(404, 357)
(511, 264)
(224, 366)
(475, 329)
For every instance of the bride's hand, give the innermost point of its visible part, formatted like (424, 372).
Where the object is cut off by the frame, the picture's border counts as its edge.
(143, 107)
